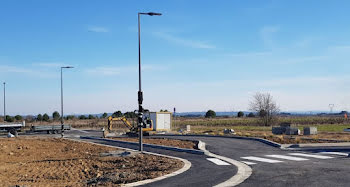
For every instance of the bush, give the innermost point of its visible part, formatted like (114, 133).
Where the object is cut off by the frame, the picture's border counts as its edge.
(104, 115)
(56, 115)
(70, 117)
(46, 117)
(18, 118)
(91, 116)
(117, 114)
(82, 117)
(130, 115)
(39, 117)
(210, 114)
(251, 115)
(240, 114)
(9, 118)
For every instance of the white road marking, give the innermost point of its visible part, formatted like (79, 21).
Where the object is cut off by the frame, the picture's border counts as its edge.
(218, 162)
(287, 157)
(261, 159)
(80, 130)
(248, 163)
(334, 153)
(310, 155)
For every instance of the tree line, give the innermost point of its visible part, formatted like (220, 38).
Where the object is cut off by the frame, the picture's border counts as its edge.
(56, 117)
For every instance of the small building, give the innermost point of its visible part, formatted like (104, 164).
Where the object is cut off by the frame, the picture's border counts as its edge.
(161, 121)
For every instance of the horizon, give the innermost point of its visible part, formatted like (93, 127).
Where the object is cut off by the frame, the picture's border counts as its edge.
(191, 60)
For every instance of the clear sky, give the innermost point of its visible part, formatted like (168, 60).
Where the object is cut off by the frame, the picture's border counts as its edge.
(198, 55)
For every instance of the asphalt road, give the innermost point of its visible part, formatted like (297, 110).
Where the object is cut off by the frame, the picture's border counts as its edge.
(334, 171)
(293, 170)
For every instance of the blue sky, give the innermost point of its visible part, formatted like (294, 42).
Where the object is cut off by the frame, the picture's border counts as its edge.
(198, 55)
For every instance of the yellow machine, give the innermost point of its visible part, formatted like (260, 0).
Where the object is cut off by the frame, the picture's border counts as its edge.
(148, 126)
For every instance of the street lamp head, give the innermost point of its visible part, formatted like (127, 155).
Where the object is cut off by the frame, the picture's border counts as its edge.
(152, 14)
(67, 67)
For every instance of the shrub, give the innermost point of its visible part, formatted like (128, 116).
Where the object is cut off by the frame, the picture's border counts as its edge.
(18, 118)
(9, 118)
(240, 114)
(46, 117)
(104, 115)
(39, 117)
(117, 114)
(82, 117)
(210, 114)
(56, 115)
(130, 115)
(251, 115)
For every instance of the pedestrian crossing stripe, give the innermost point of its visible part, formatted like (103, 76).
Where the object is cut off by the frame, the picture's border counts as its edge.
(311, 156)
(261, 159)
(218, 162)
(335, 153)
(292, 157)
(287, 157)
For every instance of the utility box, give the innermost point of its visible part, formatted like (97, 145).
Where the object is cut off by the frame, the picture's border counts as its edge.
(292, 131)
(161, 121)
(310, 130)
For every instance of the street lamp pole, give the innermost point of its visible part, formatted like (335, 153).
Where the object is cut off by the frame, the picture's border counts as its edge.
(140, 94)
(4, 101)
(62, 122)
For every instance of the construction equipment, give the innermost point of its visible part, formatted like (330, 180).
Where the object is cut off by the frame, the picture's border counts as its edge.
(50, 129)
(133, 130)
(12, 128)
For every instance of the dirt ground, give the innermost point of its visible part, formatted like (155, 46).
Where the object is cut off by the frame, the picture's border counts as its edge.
(59, 162)
(163, 141)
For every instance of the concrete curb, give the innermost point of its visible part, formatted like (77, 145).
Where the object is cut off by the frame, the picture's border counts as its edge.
(268, 142)
(187, 165)
(192, 151)
(243, 170)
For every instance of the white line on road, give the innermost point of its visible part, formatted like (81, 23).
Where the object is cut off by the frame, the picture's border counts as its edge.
(248, 163)
(218, 162)
(287, 157)
(261, 159)
(310, 155)
(334, 153)
(80, 130)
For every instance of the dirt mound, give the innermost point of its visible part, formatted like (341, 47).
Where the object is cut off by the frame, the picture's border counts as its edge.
(52, 162)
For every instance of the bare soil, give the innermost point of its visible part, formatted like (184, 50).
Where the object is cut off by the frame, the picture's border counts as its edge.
(60, 162)
(186, 144)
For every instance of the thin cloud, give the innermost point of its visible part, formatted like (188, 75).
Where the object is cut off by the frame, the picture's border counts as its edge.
(13, 69)
(116, 71)
(184, 42)
(250, 54)
(107, 71)
(98, 29)
(51, 65)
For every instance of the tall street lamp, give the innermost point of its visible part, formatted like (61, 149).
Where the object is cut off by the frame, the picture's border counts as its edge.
(62, 125)
(140, 94)
(4, 101)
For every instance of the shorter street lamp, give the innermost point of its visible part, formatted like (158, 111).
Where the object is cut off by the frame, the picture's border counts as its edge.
(62, 122)
(4, 101)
